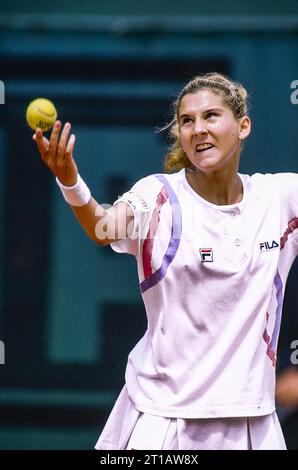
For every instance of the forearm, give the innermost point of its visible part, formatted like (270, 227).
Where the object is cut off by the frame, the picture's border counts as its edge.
(88, 216)
(95, 219)
(104, 225)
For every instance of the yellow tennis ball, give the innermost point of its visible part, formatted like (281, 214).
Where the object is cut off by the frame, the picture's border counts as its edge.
(42, 113)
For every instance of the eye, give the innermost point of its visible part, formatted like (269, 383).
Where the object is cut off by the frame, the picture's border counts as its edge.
(211, 114)
(186, 120)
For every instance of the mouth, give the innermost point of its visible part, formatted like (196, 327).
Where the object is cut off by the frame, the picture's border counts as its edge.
(203, 147)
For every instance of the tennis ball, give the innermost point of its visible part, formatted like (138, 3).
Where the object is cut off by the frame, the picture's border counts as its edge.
(42, 113)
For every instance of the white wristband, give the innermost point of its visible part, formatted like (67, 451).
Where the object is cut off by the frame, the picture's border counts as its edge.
(77, 195)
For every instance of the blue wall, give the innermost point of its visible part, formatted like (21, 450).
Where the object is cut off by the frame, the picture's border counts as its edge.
(154, 7)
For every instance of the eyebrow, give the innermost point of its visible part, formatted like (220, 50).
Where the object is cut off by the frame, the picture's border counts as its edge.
(204, 112)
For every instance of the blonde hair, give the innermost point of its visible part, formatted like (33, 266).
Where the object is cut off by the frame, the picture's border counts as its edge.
(233, 95)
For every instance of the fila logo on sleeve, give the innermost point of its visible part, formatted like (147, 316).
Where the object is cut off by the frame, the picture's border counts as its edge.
(206, 255)
(267, 246)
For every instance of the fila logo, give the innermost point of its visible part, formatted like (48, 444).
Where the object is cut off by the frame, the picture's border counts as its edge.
(206, 255)
(266, 246)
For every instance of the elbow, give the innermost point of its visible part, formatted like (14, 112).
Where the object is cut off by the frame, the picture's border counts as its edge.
(101, 242)
(98, 241)
(92, 236)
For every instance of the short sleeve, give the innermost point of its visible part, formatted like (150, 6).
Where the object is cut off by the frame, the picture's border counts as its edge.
(141, 198)
(288, 184)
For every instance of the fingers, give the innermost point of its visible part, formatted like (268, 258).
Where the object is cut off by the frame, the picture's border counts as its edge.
(41, 141)
(61, 147)
(57, 152)
(70, 146)
(54, 139)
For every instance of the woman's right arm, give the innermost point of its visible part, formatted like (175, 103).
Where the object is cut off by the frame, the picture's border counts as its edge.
(103, 226)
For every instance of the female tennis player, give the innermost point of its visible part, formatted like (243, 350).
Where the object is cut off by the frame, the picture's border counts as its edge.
(213, 249)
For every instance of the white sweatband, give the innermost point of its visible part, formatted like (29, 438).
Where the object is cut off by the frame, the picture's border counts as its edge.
(77, 195)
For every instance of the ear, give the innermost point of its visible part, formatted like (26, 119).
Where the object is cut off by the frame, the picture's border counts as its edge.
(244, 127)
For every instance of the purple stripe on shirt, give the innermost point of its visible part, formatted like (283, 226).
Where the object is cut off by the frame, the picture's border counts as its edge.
(174, 242)
(279, 298)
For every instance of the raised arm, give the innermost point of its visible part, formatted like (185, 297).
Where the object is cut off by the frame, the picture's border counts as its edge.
(103, 226)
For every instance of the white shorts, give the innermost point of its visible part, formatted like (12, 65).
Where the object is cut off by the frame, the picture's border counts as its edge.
(127, 428)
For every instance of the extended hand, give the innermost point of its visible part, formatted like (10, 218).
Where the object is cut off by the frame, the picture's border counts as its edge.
(57, 153)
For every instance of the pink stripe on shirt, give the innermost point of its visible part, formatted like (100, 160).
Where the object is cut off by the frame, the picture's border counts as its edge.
(148, 243)
(292, 225)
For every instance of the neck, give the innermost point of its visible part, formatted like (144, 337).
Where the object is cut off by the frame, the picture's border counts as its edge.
(220, 188)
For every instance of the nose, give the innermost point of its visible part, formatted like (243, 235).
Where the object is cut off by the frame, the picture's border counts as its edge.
(200, 127)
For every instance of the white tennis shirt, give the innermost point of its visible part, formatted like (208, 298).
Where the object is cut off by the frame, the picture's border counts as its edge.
(212, 279)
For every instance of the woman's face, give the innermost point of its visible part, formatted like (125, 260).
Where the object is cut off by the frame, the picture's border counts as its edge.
(209, 133)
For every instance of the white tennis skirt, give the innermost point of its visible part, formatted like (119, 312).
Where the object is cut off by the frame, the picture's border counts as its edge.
(127, 428)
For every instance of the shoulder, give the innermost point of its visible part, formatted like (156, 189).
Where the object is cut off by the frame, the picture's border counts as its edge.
(276, 185)
(154, 183)
(145, 193)
(286, 178)
(273, 180)
(283, 176)
(146, 188)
